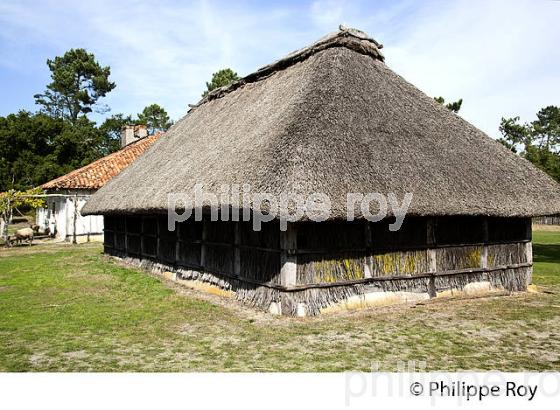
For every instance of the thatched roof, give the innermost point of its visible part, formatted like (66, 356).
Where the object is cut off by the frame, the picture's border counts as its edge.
(333, 118)
(98, 173)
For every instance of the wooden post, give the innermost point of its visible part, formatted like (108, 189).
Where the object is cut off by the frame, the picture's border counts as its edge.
(485, 236)
(89, 228)
(369, 245)
(529, 251)
(431, 242)
(431, 254)
(288, 269)
(74, 241)
(203, 244)
(237, 249)
(158, 234)
(125, 235)
(177, 245)
(288, 256)
(142, 237)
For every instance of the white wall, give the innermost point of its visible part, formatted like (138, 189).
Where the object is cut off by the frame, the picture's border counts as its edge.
(59, 216)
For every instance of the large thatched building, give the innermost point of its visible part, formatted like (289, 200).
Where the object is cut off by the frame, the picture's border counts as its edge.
(332, 118)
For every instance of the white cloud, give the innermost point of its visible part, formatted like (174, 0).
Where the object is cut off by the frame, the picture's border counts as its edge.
(328, 14)
(158, 52)
(499, 56)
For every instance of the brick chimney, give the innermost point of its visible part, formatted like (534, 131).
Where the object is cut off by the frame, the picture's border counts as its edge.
(131, 133)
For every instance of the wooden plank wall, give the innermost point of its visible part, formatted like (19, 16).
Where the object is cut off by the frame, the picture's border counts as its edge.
(326, 253)
(428, 245)
(226, 248)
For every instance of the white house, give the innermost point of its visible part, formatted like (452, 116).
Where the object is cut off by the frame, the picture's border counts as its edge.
(66, 195)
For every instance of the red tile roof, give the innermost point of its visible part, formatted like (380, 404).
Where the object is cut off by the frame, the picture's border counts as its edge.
(98, 173)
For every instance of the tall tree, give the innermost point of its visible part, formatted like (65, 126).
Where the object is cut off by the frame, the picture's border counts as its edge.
(26, 141)
(546, 129)
(35, 148)
(538, 141)
(111, 129)
(78, 82)
(515, 135)
(220, 79)
(155, 118)
(453, 106)
(78, 144)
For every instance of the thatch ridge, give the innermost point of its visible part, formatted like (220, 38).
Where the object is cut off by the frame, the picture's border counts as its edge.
(335, 122)
(346, 37)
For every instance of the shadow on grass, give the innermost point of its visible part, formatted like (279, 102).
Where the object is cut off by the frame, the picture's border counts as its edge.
(549, 253)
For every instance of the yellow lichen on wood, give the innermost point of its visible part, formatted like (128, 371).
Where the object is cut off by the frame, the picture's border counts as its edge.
(335, 270)
(460, 257)
(475, 257)
(398, 263)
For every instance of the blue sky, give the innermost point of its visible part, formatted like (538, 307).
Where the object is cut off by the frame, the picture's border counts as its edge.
(502, 57)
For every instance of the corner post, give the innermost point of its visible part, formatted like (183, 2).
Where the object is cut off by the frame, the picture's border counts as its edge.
(288, 256)
(288, 271)
(529, 249)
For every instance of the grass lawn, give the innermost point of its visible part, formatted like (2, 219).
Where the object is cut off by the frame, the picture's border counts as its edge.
(68, 308)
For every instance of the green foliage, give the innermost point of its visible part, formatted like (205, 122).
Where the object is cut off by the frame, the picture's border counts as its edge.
(26, 141)
(16, 199)
(38, 147)
(79, 144)
(155, 118)
(78, 81)
(220, 79)
(454, 106)
(35, 148)
(538, 141)
(546, 129)
(13, 199)
(111, 129)
(515, 134)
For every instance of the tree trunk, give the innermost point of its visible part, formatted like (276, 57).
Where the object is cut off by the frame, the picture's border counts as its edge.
(3, 228)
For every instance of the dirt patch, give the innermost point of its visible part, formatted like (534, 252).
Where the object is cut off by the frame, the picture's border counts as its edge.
(43, 246)
(39, 359)
(335, 337)
(77, 355)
